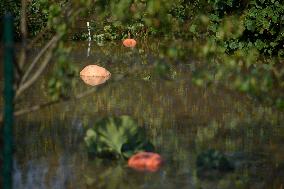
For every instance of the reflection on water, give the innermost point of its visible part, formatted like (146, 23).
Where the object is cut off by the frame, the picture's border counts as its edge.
(41, 174)
(94, 80)
(182, 120)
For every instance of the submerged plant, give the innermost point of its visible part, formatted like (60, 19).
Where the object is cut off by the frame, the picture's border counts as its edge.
(116, 138)
(213, 160)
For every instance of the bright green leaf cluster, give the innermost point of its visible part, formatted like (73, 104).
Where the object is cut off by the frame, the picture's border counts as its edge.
(116, 137)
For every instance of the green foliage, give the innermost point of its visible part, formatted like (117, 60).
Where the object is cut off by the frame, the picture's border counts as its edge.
(42, 14)
(248, 72)
(258, 25)
(116, 137)
(245, 51)
(140, 17)
(37, 15)
(9, 6)
(62, 79)
(263, 22)
(117, 31)
(223, 7)
(12, 7)
(241, 39)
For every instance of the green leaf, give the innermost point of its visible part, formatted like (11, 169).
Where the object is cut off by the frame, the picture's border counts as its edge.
(116, 137)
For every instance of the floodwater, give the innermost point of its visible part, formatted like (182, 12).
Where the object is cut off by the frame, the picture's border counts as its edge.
(181, 120)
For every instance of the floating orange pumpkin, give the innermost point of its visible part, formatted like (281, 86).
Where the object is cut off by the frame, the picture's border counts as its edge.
(94, 75)
(94, 70)
(129, 43)
(145, 161)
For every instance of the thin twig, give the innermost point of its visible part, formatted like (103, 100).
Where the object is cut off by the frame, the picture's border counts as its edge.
(43, 105)
(49, 103)
(24, 32)
(38, 37)
(37, 58)
(38, 72)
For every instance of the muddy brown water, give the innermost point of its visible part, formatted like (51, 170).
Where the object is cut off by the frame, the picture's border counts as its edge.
(181, 120)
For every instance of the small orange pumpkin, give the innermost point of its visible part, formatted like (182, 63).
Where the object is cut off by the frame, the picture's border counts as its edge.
(145, 161)
(129, 43)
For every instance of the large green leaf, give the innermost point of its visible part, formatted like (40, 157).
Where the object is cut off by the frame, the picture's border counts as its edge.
(116, 137)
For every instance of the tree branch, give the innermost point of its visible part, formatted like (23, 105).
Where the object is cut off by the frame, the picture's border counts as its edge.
(23, 54)
(37, 58)
(46, 104)
(33, 78)
(34, 40)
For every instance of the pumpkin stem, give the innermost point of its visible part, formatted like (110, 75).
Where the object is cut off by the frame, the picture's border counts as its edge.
(128, 35)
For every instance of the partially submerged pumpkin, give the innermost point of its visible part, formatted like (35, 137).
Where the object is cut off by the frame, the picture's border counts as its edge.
(129, 43)
(94, 80)
(145, 161)
(94, 70)
(94, 75)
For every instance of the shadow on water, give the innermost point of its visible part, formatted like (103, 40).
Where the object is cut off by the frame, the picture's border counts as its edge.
(181, 119)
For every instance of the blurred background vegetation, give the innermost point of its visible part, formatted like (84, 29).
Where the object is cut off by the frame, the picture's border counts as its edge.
(240, 42)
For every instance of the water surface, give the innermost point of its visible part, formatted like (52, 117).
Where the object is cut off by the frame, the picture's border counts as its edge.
(181, 119)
